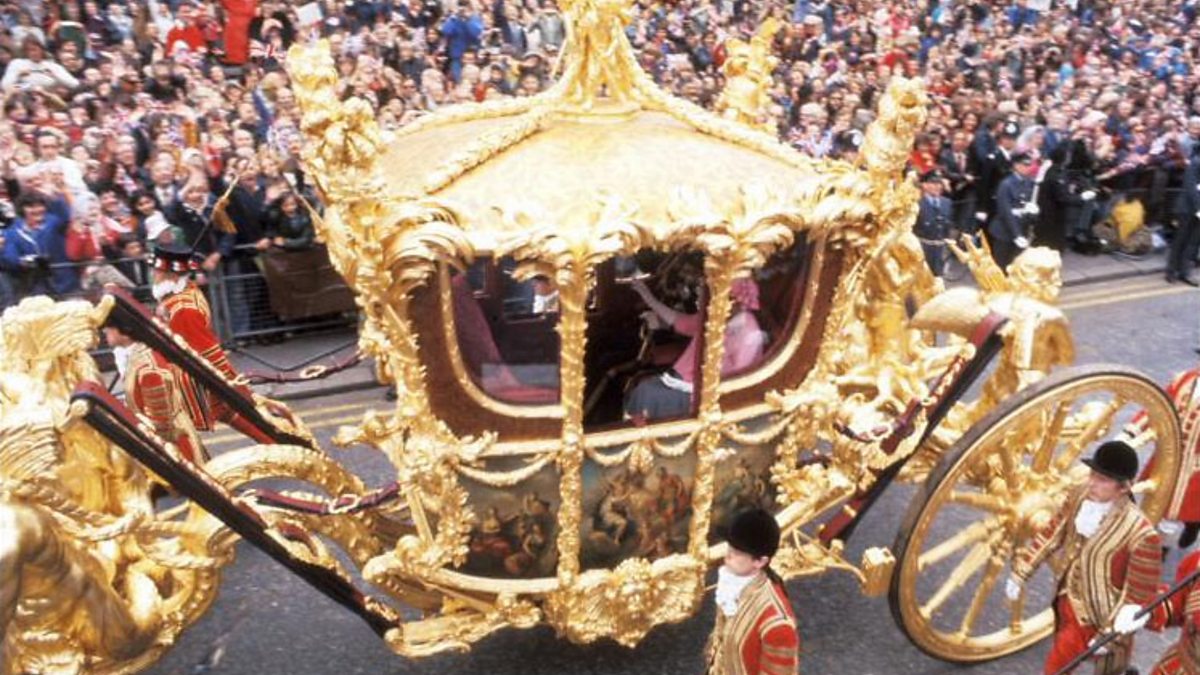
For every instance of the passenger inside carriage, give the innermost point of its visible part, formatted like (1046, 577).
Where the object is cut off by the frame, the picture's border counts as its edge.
(672, 394)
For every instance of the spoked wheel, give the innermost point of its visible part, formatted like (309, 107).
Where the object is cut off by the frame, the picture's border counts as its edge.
(999, 484)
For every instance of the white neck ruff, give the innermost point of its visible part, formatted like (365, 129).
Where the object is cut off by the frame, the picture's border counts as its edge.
(1090, 515)
(162, 289)
(729, 589)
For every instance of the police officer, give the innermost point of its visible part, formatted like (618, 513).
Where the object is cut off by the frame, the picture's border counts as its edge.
(1008, 229)
(1181, 258)
(994, 168)
(934, 217)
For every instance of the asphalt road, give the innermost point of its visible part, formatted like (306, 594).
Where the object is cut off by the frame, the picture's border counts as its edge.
(265, 621)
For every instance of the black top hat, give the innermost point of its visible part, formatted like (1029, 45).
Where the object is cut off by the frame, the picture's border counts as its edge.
(173, 258)
(1010, 130)
(1115, 459)
(755, 532)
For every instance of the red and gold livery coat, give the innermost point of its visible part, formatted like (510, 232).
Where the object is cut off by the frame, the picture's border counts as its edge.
(760, 638)
(1186, 396)
(152, 390)
(1120, 564)
(188, 315)
(1183, 610)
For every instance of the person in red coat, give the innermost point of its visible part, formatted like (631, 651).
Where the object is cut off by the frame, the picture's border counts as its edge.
(238, 15)
(1185, 506)
(755, 633)
(188, 29)
(1183, 610)
(184, 308)
(153, 391)
(1113, 563)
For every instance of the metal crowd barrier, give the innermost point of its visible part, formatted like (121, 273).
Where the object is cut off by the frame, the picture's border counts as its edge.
(240, 296)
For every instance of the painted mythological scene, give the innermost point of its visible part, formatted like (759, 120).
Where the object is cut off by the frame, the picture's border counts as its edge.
(742, 481)
(515, 529)
(629, 513)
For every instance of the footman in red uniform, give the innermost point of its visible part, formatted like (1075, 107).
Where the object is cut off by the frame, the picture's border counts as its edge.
(756, 627)
(182, 305)
(153, 391)
(1182, 610)
(1112, 563)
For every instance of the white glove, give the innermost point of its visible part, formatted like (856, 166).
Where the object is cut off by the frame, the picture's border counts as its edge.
(1103, 651)
(1012, 589)
(1021, 242)
(1126, 623)
(1032, 210)
(1087, 195)
(1198, 214)
(982, 215)
(1170, 528)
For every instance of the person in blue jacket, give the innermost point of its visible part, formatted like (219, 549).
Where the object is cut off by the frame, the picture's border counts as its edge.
(36, 240)
(462, 31)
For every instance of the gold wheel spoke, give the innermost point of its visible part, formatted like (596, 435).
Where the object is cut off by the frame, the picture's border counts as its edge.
(1045, 451)
(1088, 435)
(972, 534)
(979, 500)
(990, 575)
(965, 569)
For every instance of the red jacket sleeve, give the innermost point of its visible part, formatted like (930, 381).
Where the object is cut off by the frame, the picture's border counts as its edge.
(780, 651)
(193, 327)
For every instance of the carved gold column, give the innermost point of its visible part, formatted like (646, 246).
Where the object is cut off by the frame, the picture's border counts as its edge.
(718, 271)
(573, 285)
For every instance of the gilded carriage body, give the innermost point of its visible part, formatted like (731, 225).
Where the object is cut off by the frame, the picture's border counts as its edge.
(498, 252)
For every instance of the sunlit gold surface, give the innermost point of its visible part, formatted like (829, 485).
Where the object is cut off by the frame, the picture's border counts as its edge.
(92, 578)
(601, 165)
(747, 68)
(562, 182)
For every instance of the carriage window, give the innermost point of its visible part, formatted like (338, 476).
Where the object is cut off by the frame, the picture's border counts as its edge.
(644, 339)
(779, 290)
(645, 347)
(507, 335)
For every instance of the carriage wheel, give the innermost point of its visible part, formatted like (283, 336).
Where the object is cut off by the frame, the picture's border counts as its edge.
(998, 484)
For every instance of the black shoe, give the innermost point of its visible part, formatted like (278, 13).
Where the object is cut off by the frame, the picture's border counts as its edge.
(1171, 278)
(1190, 281)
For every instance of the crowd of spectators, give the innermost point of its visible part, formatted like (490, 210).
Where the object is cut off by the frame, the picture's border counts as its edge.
(124, 121)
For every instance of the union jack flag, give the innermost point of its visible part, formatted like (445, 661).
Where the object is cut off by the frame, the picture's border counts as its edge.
(258, 50)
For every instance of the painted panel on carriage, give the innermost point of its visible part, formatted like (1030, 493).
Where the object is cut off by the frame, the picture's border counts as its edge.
(630, 513)
(515, 528)
(742, 481)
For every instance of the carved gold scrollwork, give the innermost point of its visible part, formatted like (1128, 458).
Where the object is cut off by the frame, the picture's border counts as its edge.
(627, 602)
